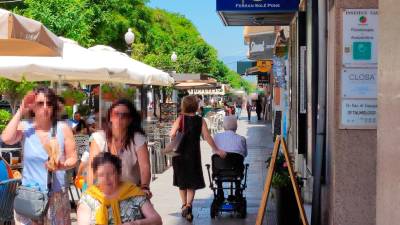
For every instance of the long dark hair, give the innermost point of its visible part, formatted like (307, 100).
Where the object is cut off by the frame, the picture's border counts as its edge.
(133, 127)
(53, 99)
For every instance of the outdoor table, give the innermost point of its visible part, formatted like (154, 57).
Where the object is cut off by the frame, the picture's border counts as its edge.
(10, 150)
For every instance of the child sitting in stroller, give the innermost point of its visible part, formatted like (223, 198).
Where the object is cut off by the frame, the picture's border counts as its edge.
(230, 169)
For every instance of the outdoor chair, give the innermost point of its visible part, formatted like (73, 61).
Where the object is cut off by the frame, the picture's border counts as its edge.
(82, 143)
(7, 194)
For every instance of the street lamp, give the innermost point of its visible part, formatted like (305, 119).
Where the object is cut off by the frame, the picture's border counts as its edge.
(129, 39)
(174, 57)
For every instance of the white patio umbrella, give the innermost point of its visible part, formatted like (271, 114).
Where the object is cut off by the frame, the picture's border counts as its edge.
(118, 64)
(75, 64)
(134, 68)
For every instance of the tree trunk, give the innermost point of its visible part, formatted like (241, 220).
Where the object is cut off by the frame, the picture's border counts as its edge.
(13, 103)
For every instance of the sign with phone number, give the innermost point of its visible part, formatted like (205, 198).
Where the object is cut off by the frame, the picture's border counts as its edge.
(359, 113)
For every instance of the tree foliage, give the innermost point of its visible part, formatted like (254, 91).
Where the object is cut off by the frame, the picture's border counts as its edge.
(157, 33)
(13, 91)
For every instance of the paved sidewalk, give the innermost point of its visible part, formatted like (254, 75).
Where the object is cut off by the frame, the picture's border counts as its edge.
(166, 197)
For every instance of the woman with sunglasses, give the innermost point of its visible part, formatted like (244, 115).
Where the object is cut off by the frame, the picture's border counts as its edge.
(42, 107)
(124, 137)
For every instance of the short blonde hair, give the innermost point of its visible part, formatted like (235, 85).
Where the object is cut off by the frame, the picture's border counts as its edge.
(189, 104)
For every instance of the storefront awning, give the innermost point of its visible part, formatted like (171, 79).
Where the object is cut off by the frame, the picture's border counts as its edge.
(257, 12)
(194, 81)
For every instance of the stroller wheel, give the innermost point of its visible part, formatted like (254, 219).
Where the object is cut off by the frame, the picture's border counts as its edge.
(242, 209)
(214, 209)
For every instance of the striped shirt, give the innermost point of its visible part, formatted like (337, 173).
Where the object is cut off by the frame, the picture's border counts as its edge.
(229, 141)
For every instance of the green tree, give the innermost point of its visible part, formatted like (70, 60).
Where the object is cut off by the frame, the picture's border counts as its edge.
(157, 33)
(5, 117)
(13, 91)
(67, 18)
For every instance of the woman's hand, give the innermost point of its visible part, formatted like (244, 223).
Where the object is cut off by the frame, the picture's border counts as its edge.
(28, 102)
(147, 192)
(56, 165)
(13, 132)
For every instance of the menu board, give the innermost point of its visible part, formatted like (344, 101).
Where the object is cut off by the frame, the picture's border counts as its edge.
(168, 112)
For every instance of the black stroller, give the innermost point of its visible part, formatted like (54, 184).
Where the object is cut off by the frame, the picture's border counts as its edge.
(230, 170)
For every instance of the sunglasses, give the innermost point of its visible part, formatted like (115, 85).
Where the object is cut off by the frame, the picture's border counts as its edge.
(122, 115)
(42, 103)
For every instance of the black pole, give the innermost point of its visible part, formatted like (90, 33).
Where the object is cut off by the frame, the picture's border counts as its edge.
(143, 101)
(319, 40)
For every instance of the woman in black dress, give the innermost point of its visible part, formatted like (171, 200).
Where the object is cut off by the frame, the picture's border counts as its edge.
(188, 173)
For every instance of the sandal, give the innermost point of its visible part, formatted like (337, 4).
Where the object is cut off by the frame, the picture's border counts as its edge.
(184, 210)
(189, 216)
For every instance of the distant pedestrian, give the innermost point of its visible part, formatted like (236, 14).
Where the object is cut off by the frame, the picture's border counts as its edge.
(248, 108)
(258, 109)
(238, 109)
(201, 105)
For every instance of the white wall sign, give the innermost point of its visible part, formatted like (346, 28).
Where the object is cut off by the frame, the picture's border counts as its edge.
(359, 113)
(360, 33)
(359, 83)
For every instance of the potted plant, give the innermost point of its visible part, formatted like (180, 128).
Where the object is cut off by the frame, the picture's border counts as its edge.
(108, 92)
(287, 211)
(124, 92)
(73, 96)
(129, 93)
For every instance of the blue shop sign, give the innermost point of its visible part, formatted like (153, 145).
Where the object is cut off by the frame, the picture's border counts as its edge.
(258, 5)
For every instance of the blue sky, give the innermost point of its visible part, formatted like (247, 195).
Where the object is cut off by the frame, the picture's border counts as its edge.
(227, 40)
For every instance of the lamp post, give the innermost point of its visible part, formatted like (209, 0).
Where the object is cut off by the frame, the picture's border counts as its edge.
(129, 39)
(174, 58)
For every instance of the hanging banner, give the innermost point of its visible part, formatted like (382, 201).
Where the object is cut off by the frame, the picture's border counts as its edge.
(360, 37)
(264, 66)
(279, 72)
(261, 46)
